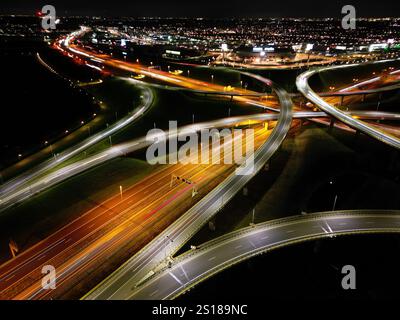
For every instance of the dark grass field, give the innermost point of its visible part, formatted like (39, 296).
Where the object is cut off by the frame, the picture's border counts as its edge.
(310, 271)
(37, 105)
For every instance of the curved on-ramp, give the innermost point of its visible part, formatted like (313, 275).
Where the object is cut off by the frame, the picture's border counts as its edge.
(26, 184)
(305, 89)
(197, 265)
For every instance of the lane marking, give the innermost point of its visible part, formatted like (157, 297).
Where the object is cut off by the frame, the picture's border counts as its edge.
(175, 277)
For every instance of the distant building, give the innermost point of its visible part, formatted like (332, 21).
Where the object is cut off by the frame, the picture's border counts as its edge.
(265, 52)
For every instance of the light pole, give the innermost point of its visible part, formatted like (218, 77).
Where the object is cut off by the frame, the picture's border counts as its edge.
(334, 203)
(120, 191)
(51, 150)
(169, 241)
(253, 216)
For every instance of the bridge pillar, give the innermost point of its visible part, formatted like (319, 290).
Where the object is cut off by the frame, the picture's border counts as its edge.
(341, 101)
(211, 225)
(332, 124)
(363, 97)
(357, 134)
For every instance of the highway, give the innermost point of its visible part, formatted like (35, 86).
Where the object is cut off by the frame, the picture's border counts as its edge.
(42, 176)
(75, 248)
(24, 192)
(59, 247)
(96, 235)
(304, 88)
(195, 266)
(153, 255)
(24, 185)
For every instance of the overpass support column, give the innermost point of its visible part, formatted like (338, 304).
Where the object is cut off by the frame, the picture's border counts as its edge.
(363, 97)
(341, 101)
(332, 124)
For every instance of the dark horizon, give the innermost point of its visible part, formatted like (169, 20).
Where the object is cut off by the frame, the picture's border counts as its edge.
(205, 8)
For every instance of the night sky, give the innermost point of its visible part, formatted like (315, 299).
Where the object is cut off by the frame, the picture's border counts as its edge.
(206, 8)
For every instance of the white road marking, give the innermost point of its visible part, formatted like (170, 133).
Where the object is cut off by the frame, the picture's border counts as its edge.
(173, 276)
(153, 293)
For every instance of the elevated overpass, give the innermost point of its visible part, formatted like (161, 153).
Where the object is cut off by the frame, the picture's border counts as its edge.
(304, 87)
(195, 266)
